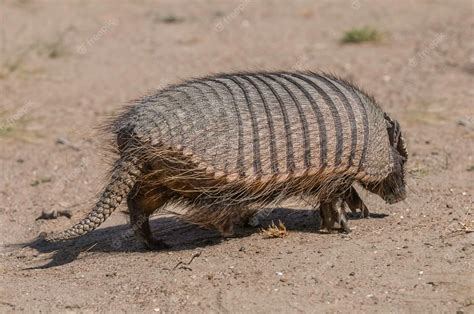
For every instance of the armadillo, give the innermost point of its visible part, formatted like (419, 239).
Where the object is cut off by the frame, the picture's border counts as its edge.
(223, 145)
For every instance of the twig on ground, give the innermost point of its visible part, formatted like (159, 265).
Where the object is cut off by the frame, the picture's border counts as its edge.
(188, 263)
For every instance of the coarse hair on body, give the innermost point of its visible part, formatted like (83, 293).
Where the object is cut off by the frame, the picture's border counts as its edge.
(227, 145)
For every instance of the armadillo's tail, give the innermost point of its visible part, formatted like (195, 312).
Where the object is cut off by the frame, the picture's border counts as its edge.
(124, 175)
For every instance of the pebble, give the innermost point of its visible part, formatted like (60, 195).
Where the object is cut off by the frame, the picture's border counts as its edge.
(466, 122)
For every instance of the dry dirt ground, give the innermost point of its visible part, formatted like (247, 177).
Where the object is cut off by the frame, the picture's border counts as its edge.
(68, 65)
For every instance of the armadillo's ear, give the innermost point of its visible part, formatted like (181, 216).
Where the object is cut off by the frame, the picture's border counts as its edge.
(402, 147)
(395, 136)
(393, 129)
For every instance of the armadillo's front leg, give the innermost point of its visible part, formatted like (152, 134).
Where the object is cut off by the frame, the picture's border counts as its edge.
(140, 209)
(332, 212)
(327, 216)
(354, 202)
(342, 217)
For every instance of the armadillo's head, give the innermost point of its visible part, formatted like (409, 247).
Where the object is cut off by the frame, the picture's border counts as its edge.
(393, 188)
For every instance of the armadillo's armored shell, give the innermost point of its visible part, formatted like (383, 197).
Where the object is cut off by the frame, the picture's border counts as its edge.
(267, 124)
(225, 142)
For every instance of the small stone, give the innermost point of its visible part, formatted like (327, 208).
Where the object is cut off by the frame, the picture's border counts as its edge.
(466, 122)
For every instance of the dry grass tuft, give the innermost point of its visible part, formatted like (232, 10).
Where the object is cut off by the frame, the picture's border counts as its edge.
(359, 35)
(170, 19)
(275, 231)
(463, 227)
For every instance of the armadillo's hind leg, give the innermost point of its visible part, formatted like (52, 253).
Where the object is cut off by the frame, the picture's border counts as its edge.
(141, 204)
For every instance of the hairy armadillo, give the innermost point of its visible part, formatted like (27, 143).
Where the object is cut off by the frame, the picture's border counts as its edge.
(227, 144)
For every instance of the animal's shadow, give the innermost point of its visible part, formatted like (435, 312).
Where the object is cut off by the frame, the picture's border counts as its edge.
(177, 233)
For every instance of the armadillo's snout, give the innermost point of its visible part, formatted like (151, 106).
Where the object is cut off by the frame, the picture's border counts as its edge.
(393, 198)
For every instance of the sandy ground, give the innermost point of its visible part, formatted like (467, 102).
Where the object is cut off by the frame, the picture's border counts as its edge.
(67, 65)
